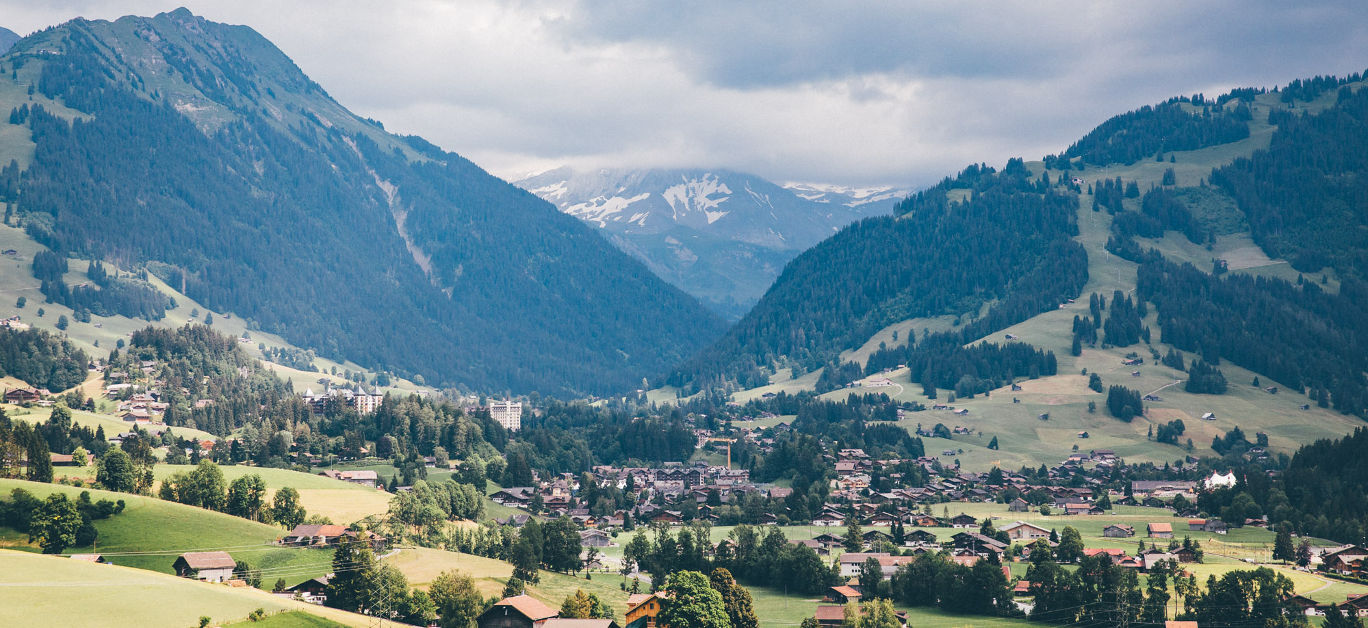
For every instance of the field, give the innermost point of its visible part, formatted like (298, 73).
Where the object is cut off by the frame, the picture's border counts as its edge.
(342, 502)
(1025, 438)
(150, 533)
(422, 565)
(111, 595)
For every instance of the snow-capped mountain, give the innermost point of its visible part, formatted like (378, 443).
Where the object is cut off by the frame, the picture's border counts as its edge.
(722, 236)
(845, 195)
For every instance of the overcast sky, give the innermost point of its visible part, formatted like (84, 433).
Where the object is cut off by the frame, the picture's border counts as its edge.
(839, 92)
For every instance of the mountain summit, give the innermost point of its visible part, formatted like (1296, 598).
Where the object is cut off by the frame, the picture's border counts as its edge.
(200, 152)
(7, 39)
(719, 235)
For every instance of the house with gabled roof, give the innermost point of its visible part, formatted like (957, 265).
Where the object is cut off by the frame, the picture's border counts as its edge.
(208, 566)
(519, 611)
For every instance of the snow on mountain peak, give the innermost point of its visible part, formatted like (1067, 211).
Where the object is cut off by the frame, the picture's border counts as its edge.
(698, 195)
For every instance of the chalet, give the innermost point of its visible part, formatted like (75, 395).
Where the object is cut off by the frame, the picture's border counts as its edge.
(208, 566)
(851, 562)
(828, 540)
(1215, 526)
(921, 536)
(963, 521)
(1115, 554)
(22, 395)
(926, 521)
(1102, 454)
(1133, 362)
(642, 609)
(519, 611)
(314, 535)
(1185, 555)
(1151, 559)
(63, 460)
(829, 616)
(566, 622)
(1304, 605)
(1079, 509)
(828, 519)
(1160, 530)
(1118, 531)
(978, 542)
(669, 516)
(90, 558)
(376, 542)
(513, 496)
(962, 411)
(1209, 416)
(364, 477)
(1018, 505)
(313, 590)
(595, 538)
(843, 594)
(1022, 531)
(1348, 561)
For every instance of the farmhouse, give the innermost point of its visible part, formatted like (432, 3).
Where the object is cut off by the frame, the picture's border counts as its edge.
(1160, 530)
(1118, 531)
(1022, 531)
(363, 477)
(22, 395)
(963, 521)
(312, 534)
(209, 566)
(519, 611)
(313, 591)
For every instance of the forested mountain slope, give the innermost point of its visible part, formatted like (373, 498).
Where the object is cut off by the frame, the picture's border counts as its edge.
(982, 237)
(202, 153)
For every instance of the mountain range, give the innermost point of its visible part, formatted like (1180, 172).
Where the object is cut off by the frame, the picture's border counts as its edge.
(7, 39)
(719, 235)
(200, 153)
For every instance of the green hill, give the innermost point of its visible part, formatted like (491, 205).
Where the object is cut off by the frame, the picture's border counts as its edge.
(58, 591)
(151, 533)
(277, 198)
(1024, 437)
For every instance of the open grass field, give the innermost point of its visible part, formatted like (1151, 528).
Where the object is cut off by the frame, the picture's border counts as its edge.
(112, 425)
(56, 591)
(289, 619)
(422, 565)
(151, 533)
(342, 502)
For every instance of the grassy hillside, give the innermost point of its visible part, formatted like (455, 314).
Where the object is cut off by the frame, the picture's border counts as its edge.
(43, 591)
(151, 533)
(100, 335)
(1027, 440)
(343, 502)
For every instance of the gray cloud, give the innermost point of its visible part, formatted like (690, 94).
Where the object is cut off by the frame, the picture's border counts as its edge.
(852, 92)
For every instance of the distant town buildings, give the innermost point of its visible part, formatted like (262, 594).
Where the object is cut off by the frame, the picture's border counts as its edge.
(507, 413)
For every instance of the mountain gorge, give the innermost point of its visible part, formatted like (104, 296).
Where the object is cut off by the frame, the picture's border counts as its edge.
(200, 152)
(719, 235)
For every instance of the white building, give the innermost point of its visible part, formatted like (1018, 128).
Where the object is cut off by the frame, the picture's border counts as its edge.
(507, 413)
(1217, 480)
